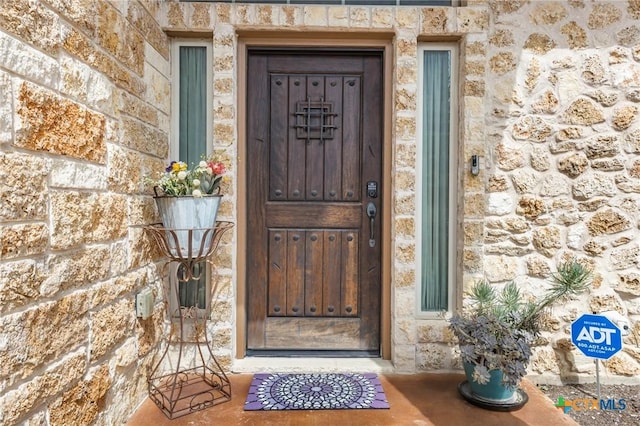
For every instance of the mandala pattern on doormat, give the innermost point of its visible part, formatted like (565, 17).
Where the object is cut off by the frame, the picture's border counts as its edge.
(322, 391)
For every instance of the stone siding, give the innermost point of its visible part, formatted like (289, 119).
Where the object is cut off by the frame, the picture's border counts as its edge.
(549, 98)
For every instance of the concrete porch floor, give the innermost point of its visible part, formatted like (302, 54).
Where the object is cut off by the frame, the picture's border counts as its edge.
(420, 399)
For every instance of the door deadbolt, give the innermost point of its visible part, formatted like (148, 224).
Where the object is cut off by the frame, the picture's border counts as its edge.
(372, 189)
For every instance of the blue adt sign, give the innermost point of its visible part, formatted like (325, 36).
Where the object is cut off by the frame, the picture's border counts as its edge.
(596, 336)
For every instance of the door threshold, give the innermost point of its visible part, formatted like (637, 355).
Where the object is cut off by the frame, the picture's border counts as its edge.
(298, 353)
(262, 364)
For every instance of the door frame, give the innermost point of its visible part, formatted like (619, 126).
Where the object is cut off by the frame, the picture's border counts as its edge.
(355, 41)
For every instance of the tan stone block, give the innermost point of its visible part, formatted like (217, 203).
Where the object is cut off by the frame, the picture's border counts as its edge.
(474, 205)
(291, 15)
(623, 117)
(141, 137)
(473, 233)
(500, 268)
(82, 403)
(547, 240)
(624, 258)
(23, 187)
(472, 260)
(502, 38)
(360, 17)
(315, 16)
(124, 170)
(434, 20)
(23, 240)
(472, 20)
(405, 127)
(406, 180)
(431, 357)
(476, 48)
(133, 106)
(15, 404)
(338, 16)
(142, 17)
(241, 13)
(118, 38)
(405, 100)
(573, 165)
(86, 218)
(498, 184)
(407, 18)
(538, 266)
(502, 63)
(223, 86)
(405, 227)
(405, 204)
(544, 360)
(149, 332)
(20, 283)
(109, 327)
(69, 270)
(594, 71)
(406, 72)
(628, 283)
(532, 128)
(35, 23)
(475, 68)
(404, 331)
(404, 277)
(589, 186)
(407, 47)
(540, 43)
(405, 155)
(405, 253)
(52, 124)
(508, 158)
(548, 14)
(603, 14)
(474, 88)
(201, 16)
(175, 14)
(45, 332)
(382, 18)
(78, 45)
(623, 365)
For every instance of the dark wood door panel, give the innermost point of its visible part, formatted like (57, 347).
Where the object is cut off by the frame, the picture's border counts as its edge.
(314, 138)
(313, 273)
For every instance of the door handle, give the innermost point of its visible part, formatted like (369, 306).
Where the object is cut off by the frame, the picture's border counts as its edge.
(371, 214)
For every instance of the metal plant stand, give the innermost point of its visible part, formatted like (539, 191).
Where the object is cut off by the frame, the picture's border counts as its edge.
(203, 384)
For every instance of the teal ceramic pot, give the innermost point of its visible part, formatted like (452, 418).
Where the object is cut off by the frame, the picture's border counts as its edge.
(492, 391)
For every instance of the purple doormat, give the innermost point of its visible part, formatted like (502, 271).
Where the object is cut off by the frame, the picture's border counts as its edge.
(323, 391)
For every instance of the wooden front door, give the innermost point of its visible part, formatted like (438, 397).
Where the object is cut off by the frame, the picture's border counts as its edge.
(314, 155)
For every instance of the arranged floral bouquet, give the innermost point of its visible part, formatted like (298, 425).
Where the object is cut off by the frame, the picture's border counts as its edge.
(202, 179)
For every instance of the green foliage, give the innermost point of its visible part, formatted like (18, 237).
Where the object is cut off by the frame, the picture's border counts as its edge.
(496, 330)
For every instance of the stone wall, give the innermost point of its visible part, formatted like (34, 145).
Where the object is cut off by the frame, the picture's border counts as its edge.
(84, 112)
(549, 99)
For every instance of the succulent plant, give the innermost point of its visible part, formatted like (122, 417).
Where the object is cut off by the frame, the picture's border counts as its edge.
(497, 328)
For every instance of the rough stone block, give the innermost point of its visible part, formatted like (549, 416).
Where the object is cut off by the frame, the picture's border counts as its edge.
(83, 402)
(15, 404)
(33, 22)
(23, 240)
(72, 174)
(18, 200)
(47, 122)
(109, 327)
(79, 218)
(20, 283)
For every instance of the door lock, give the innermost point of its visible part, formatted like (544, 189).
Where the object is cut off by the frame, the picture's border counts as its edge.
(372, 189)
